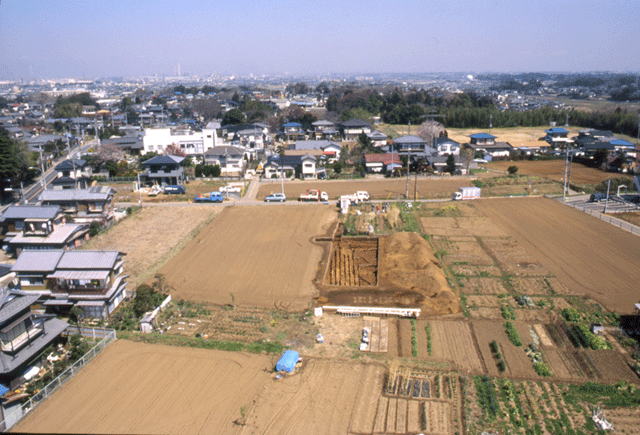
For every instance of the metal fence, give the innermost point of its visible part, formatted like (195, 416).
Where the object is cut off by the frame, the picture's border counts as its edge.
(109, 336)
(609, 219)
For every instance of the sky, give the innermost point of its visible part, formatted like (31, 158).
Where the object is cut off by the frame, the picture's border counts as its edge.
(108, 38)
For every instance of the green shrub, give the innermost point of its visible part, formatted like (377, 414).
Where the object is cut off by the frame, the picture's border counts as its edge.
(414, 338)
(513, 334)
(571, 315)
(592, 340)
(508, 312)
(427, 329)
(542, 369)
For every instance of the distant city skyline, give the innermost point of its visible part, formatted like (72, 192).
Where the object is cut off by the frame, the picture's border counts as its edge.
(90, 38)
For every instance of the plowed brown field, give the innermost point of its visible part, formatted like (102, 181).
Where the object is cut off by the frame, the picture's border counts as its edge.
(378, 189)
(261, 255)
(554, 170)
(141, 388)
(587, 255)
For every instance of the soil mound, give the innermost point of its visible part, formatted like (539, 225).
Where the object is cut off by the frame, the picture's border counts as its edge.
(407, 262)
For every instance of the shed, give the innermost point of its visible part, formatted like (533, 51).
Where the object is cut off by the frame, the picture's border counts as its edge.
(287, 361)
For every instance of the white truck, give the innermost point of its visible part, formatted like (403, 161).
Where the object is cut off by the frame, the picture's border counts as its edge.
(466, 193)
(357, 198)
(314, 195)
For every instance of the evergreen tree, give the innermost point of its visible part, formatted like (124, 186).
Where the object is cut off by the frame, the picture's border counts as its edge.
(13, 163)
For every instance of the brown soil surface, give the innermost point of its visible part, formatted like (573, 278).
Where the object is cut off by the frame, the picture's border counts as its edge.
(454, 341)
(262, 255)
(150, 237)
(554, 170)
(460, 226)
(178, 390)
(378, 189)
(409, 264)
(588, 256)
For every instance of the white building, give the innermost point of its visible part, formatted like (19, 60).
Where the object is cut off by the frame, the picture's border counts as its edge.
(189, 141)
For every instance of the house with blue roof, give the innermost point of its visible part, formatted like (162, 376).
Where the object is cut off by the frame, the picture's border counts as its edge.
(292, 131)
(557, 137)
(482, 139)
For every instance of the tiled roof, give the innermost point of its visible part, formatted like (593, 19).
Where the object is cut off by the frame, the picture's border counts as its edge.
(164, 160)
(37, 261)
(69, 165)
(88, 259)
(17, 212)
(409, 139)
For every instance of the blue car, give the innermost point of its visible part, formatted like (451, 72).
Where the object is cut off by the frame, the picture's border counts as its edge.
(276, 197)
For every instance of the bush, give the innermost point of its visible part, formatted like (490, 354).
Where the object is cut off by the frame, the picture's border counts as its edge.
(571, 315)
(542, 369)
(94, 229)
(513, 170)
(508, 312)
(513, 334)
(414, 338)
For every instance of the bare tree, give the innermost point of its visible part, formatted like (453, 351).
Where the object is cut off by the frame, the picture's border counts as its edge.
(108, 152)
(430, 130)
(174, 150)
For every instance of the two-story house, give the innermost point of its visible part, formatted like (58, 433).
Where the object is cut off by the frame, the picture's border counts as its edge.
(557, 137)
(280, 166)
(84, 205)
(192, 143)
(24, 335)
(445, 146)
(164, 170)
(353, 128)
(292, 131)
(91, 280)
(40, 228)
(324, 129)
(72, 174)
(328, 148)
(229, 158)
(410, 145)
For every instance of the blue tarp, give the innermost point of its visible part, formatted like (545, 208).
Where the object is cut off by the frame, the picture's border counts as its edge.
(287, 361)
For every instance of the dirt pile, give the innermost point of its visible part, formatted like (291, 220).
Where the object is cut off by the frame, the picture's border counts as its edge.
(407, 262)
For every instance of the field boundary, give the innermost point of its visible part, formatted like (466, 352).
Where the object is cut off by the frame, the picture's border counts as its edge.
(633, 229)
(63, 377)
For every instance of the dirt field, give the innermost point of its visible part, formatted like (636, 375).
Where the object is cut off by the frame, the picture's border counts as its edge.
(554, 170)
(176, 390)
(151, 237)
(453, 341)
(261, 255)
(588, 256)
(378, 189)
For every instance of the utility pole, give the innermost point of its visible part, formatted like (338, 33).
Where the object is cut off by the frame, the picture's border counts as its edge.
(606, 202)
(43, 181)
(490, 123)
(408, 167)
(566, 172)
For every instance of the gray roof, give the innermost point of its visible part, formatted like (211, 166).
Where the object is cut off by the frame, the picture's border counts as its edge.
(224, 151)
(14, 302)
(409, 139)
(70, 164)
(323, 122)
(355, 123)
(21, 212)
(60, 236)
(95, 193)
(88, 260)
(442, 140)
(37, 261)
(52, 329)
(314, 144)
(164, 160)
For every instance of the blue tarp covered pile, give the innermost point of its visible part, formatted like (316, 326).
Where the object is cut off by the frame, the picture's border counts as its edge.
(287, 361)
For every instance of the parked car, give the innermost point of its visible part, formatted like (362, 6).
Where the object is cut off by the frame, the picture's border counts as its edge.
(175, 189)
(597, 197)
(276, 197)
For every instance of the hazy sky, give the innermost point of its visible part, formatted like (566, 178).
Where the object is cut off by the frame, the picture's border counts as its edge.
(92, 38)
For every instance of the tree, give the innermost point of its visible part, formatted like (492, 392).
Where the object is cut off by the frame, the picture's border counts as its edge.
(108, 152)
(233, 117)
(13, 161)
(174, 150)
(332, 103)
(337, 167)
(512, 170)
(466, 155)
(451, 164)
(365, 141)
(429, 130)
